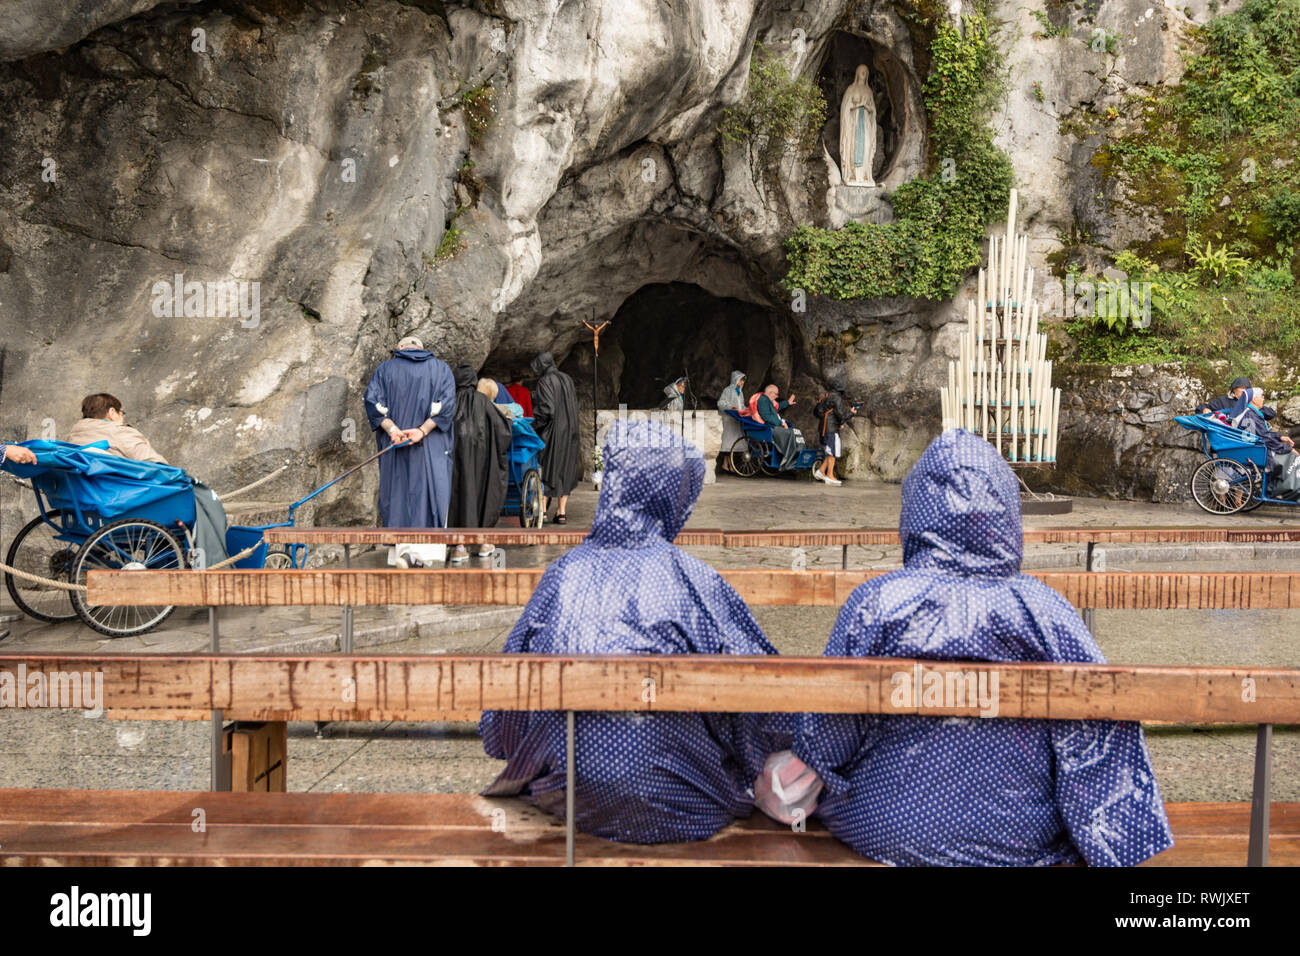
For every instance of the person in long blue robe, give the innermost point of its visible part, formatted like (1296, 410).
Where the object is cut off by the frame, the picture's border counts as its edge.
(916, 790)
(413, 390)
(640, 778)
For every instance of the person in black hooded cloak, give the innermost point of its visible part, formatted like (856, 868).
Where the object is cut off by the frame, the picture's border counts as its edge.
(555, 419)
(481, 459)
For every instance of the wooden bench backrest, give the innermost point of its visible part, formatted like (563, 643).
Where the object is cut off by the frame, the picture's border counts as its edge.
(792, 538)
(1136, 591)
(422, 688)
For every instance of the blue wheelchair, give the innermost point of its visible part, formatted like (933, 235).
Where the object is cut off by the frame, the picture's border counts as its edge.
(755, 452)
(1234, 476)
(101, 511)
(524, 490)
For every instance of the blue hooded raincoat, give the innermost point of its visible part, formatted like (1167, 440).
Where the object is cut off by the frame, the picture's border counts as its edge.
(640, 778)
(414, 482)
(911, 790)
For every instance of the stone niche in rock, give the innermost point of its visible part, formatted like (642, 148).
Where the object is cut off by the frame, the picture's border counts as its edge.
(898, 117)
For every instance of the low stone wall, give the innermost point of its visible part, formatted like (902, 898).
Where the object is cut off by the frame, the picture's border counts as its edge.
(702, 428)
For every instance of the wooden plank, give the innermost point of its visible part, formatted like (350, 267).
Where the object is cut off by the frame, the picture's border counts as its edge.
(418, 688)
(147, 827)
(1116, 590)
(259, 755)
(498, 536)
(776, 537)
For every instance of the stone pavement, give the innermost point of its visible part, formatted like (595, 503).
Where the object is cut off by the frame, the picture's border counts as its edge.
(51, 749)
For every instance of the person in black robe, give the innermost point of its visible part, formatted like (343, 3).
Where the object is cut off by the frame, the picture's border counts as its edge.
(555, 419)
(481, 460)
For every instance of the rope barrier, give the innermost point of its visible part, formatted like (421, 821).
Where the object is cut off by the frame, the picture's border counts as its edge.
(67, 586)
(261, 481)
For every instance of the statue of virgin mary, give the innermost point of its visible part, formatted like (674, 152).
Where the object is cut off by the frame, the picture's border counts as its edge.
(857, 131)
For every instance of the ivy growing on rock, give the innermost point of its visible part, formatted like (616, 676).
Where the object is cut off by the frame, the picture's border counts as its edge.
(780, 115)
(941, 217)
(1212, 161)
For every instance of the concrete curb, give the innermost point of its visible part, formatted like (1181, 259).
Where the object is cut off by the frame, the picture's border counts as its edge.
(1138, 553)
(421, 622)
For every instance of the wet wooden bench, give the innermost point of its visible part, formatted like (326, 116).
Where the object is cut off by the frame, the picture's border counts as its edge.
(118, 827)
(157, 828)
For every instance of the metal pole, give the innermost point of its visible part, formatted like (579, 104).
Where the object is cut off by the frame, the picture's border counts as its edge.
(1257, 855)
(1090, 614)
(214, 775)
(569, 826)
(347, 611)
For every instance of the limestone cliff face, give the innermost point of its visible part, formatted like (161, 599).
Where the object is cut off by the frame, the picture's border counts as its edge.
(312, 157)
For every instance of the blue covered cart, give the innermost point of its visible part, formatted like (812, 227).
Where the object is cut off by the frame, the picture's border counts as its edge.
(755, 451)
(102, 511)
(1234, 476)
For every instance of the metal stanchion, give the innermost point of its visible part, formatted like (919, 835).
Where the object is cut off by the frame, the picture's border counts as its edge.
(347, 611)
(1257, 855)
(219, 772)
(569, 826)
(1090, 614)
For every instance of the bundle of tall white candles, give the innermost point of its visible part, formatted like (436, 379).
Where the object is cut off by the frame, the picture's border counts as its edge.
(1000, 386)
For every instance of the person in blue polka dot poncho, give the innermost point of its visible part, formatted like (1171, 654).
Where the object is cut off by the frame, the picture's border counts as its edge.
(913, 790)
(640, 778)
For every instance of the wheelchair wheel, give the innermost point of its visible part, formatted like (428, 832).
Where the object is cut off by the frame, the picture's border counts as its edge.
(1256, 488)
(1222, 486)
(132, 544)
(744, 455)
(278, 560)
(530, 500)
(38, 551)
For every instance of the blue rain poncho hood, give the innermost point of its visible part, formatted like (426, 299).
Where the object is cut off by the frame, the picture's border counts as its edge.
(641, 778)
(652, 480)
(918, 790)
(961, 511)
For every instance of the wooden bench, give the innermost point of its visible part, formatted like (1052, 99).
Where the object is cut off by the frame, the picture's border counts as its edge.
(156, 828)
(107, 827)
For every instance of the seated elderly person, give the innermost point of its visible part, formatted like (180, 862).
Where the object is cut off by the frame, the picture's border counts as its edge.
(502, 399)
(909, 789)
(1283, 460)
(102, 420)
(1248, 414)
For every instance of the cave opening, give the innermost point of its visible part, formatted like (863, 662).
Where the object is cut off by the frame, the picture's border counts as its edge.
(666, 330)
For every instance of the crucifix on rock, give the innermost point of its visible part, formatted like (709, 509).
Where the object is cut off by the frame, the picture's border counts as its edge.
(595, 371)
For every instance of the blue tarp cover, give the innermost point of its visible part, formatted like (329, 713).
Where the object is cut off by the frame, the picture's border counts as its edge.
(525, 444)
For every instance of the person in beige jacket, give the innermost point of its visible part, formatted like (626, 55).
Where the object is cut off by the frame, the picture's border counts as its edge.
(102, 420)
